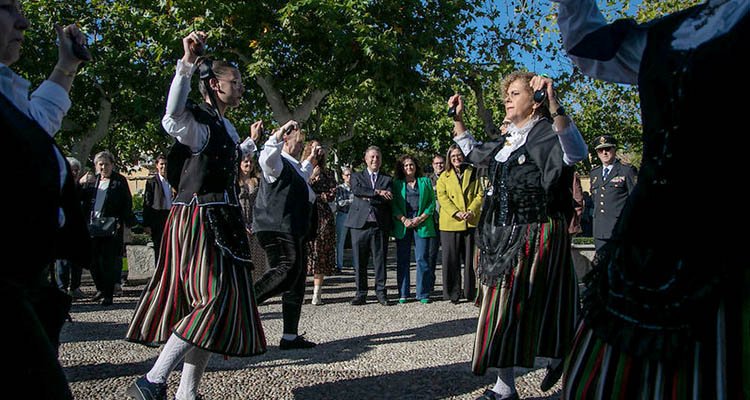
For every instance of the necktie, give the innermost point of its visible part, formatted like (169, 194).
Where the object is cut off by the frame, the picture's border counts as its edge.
(606, 172)
(374, 178)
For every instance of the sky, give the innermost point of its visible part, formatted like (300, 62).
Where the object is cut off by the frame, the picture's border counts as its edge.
(560, 64)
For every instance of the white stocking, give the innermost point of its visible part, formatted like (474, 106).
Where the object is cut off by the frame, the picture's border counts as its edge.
(171, 355)
(192, 372)
(506, 382)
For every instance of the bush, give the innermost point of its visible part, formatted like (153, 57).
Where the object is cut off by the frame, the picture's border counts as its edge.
(139, 238)
(583, 240)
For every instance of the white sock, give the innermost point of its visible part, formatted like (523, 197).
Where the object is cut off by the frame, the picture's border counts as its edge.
(289, 336)
(192, 372)
(506, 382)
(171, 355)
(316, 290)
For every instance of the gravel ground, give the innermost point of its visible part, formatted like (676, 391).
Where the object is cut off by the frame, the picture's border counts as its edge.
(409, 351)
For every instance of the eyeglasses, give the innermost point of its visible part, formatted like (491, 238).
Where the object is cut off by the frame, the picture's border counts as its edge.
(438, 163)
(605, 149)
(234, 82)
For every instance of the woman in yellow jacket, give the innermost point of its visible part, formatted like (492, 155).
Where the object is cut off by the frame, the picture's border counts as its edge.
(459, 193)
(413, 205)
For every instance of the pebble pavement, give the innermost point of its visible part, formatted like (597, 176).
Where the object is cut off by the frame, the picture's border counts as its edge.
(408, 351)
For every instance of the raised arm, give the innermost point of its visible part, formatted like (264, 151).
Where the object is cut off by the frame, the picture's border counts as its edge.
(619, 46)
(177, 121)
(573, 146)
(270, 157)
(475, 152)
(50, 102)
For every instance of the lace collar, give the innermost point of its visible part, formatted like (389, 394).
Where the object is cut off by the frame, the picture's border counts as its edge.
(515, 137)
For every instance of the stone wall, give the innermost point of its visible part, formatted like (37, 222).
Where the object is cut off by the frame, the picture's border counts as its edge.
(583, 255)
(140, 260)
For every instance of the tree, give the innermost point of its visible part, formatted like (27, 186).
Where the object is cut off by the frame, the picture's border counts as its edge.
(356, 72)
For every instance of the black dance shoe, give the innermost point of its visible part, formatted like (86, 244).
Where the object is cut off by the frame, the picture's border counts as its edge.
(298, 343)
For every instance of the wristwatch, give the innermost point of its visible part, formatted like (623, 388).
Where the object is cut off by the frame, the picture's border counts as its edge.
(560, 111)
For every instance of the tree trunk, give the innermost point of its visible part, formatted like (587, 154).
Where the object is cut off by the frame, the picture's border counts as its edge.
(82, 148)
(484, 114)
(281, 112)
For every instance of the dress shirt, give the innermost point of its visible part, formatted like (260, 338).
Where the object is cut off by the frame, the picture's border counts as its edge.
(271, 164)
(181, 124)
(167, 190)
(48, 105)
(373, 180)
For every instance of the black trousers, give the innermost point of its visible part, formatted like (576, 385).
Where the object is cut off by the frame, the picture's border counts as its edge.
(157, 229)
(32, 354)
(458, 247)
(434, 249)
(286, 275)
(106, 264)
(369, 239)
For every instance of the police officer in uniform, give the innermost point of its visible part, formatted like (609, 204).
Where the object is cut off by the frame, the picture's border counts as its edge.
(611, 183)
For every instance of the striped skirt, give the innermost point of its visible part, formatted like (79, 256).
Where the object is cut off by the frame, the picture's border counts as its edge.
(198, 293)
(533, 309)
(716, 368)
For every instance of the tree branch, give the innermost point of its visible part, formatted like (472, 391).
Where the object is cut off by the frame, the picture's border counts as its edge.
(82, 148)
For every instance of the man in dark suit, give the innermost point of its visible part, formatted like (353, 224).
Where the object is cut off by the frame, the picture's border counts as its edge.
(157, 200)
(611, 183)
(370, 222)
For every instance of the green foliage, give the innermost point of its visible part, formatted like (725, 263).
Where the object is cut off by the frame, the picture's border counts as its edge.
(385, 69)
(138, 201)
(141, 239)
(583, 240)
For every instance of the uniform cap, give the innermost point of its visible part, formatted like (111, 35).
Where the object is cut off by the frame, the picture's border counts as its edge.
(605, 141)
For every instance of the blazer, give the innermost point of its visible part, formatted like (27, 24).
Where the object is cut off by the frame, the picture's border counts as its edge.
(365, 199)
(455, 196)
(426, 206)
(117, 202)
(609, 196)
(153, 194)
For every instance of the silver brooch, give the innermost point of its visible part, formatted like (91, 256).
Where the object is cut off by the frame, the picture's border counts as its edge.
(522, 159)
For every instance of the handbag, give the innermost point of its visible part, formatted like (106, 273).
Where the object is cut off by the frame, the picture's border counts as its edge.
(103, 227)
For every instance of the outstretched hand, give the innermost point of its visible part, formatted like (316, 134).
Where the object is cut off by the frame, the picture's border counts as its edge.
(287, 128)
(192, 42)
(543, 82)
(457, 101)
(66, 57)
(255, 131)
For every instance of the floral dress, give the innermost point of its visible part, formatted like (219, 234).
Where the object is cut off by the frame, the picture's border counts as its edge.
(248, 194)
(321, 247)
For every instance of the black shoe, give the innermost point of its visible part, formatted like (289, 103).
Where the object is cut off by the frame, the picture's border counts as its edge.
(358, 301)
(98, 296)
(298, 343)
(142, 389)
(106, 301)
(490, 395)
(553, 375)
(383, 300)
(456, 301)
